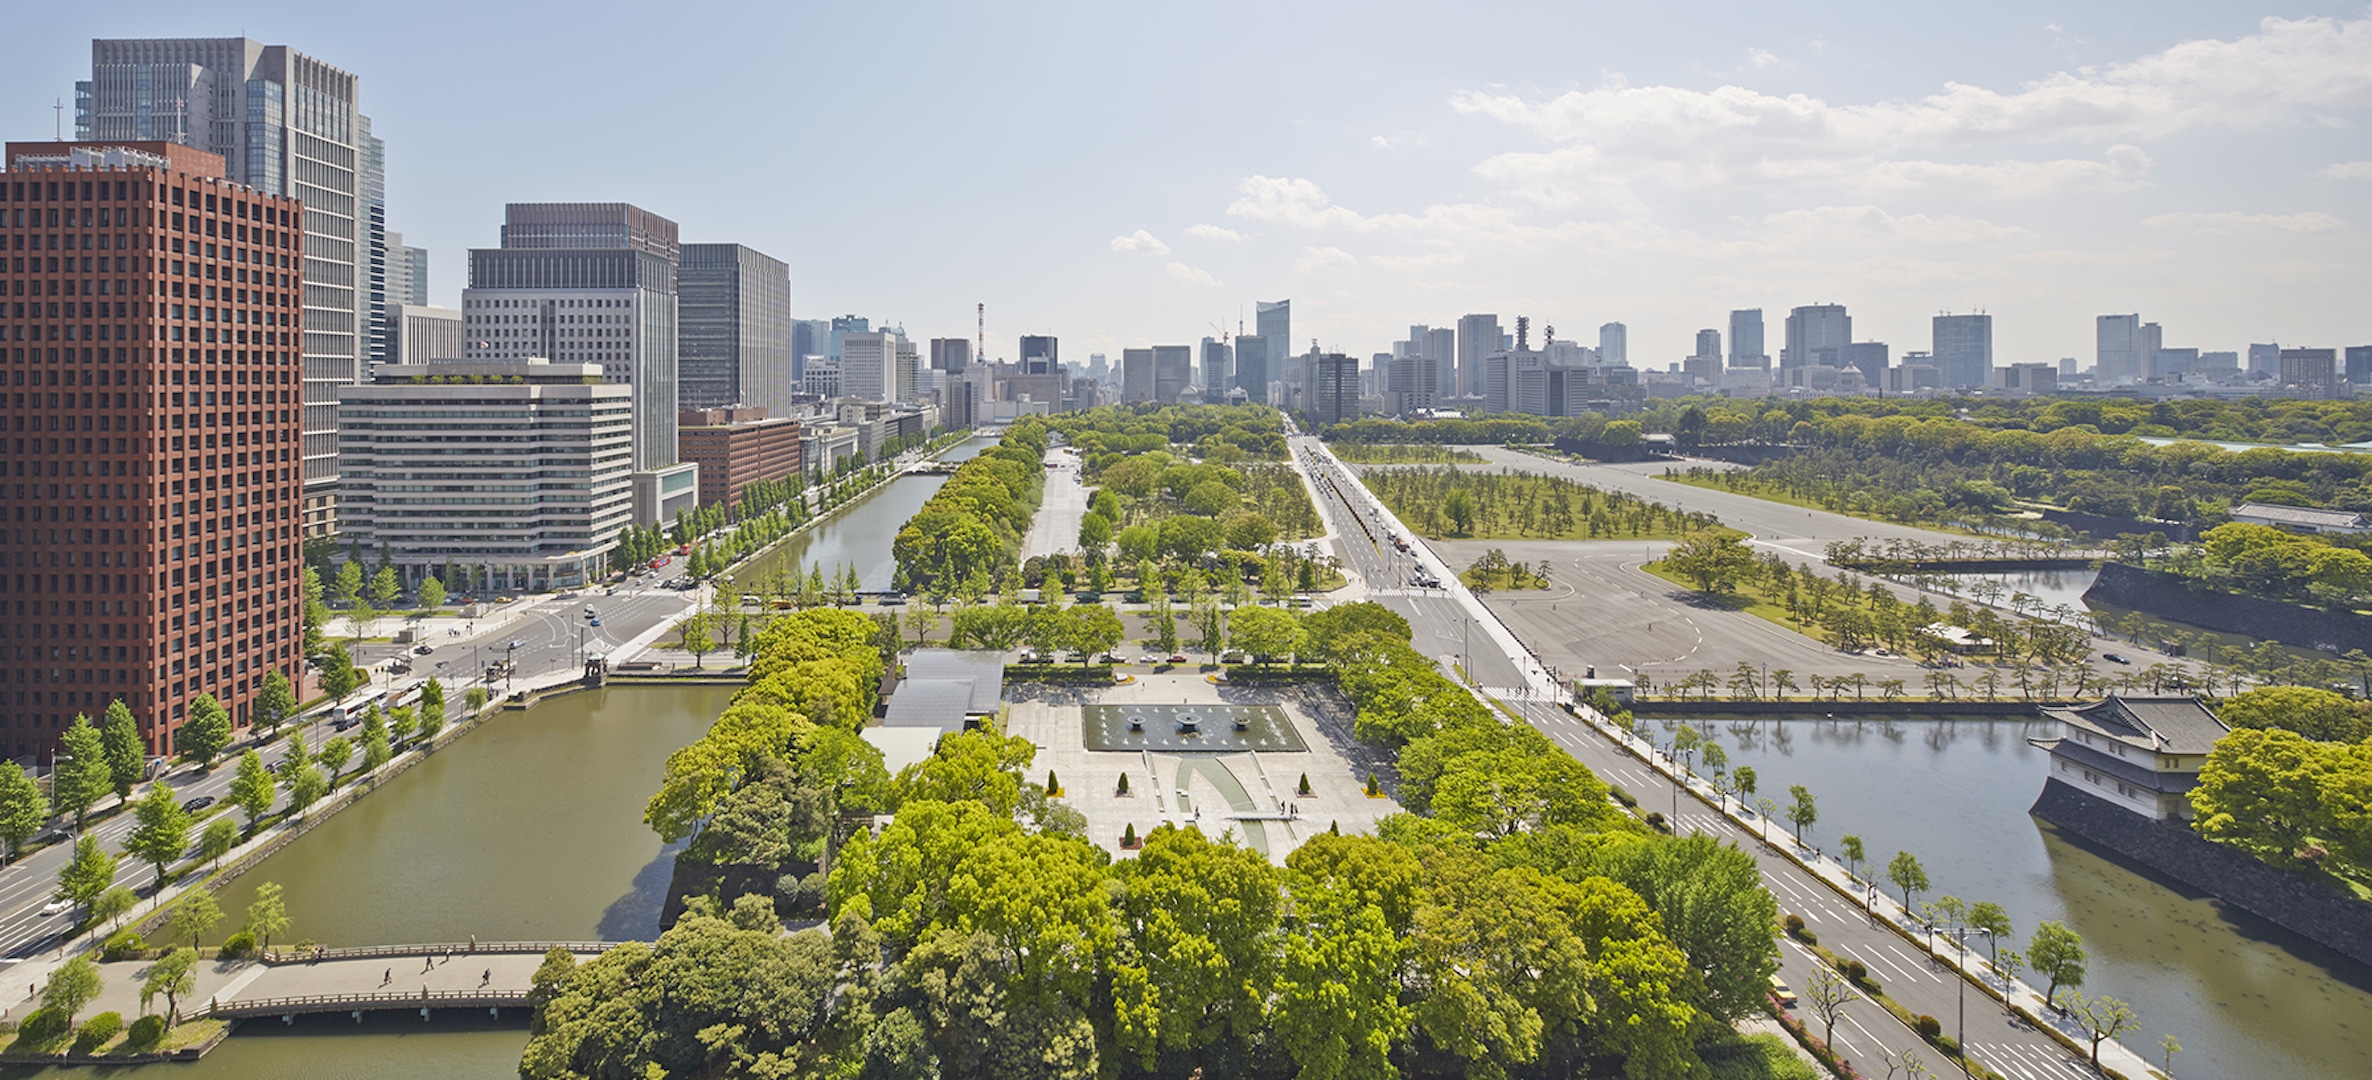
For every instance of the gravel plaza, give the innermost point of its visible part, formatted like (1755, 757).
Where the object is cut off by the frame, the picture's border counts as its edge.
(1220, 758)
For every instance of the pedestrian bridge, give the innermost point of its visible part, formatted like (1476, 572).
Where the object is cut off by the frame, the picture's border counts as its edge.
(490, 975)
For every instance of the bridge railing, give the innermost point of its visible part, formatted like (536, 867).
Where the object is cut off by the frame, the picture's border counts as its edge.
(457, 948)
(449, 999)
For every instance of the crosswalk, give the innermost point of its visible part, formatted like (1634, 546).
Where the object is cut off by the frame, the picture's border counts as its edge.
(2026, 1061)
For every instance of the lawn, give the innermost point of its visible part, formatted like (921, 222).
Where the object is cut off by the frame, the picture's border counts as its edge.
(1454, 504)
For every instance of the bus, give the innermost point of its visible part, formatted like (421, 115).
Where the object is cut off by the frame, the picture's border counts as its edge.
(343, 716)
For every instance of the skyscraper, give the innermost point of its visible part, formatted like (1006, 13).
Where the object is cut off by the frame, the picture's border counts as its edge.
(1173, 372)
(1478, 337)
(181, 575)
(1963, 348)
(869, 365)
(1251, 368)
(1274, 321)
(2265, 357)
(1816, 336)
(1746, 339)
(285, 124)
(585, 283)
(1041, 354)
(951, 354)
(1136, 376)
(809, 337)
(1217, 369)
(1709, 344)
(734, 342)
(1334, 388)
(1614, 344)
(407, 272)
(2117, 350)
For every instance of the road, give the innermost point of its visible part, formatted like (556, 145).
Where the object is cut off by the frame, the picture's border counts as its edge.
(1437, 618)
(1060, 509)
(549, 630)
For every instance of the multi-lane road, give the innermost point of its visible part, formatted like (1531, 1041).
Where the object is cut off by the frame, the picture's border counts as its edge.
(1443, 626)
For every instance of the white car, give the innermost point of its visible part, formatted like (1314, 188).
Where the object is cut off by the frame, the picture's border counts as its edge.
(56, 907)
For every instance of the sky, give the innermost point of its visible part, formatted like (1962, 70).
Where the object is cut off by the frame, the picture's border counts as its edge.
(1127, 174)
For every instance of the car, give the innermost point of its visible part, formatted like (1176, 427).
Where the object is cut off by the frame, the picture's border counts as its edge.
(588, 611)
(423, 649)
(1780, 993)
(505, 599)
(596, 621)
(2115, 658)
(56, 907)
(197, 804)
(343, 723)
(1179, 659)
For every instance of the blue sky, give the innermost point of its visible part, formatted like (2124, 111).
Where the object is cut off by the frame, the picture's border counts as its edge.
(1126, 174)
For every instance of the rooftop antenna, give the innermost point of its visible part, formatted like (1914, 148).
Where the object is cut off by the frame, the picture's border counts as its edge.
(1548, 336)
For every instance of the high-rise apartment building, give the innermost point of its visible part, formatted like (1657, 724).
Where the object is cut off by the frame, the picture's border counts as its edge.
(733, 337)
(1173, 372)
(1478, 337)
(155, 507)
(287, 124)
(1963, 349)
(1251, 369)
(1334, 388)
(1614, 344)
(585, 283)
(2118, 356)
(1746, 339)
(1816, 336)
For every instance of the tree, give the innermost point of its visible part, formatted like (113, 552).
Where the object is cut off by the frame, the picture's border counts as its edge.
(2102, 1019)
(72, 986)
(252, 789)
(194, 916)
(114, 904)
(1849, 848)
(432, 594)
(334, 755)
(338, 675)
(347, 586)
(88, 872)
(1989, 917)
(127, 753)
(22, 806)
(1829, 993)
(432, 709)
(162, 833)
(2056, 953)
(1712, 560)
(1095, 629)
(306, 786)
(1458, 507)
(695, 638)
(173, 974)
(1906, 874)
(275, 703)
(82, 773)
(267, 917)
(207, 732)
(1802, 811)
(1264, 632)
(221, 835)
(386, 588)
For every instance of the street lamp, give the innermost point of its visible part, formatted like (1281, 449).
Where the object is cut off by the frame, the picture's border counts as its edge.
(1960, 947)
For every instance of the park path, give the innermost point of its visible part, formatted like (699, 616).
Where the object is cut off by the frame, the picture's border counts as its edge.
(233, 981)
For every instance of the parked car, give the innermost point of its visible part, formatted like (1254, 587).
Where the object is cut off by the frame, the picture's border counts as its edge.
(1178, 659)
(197, 804)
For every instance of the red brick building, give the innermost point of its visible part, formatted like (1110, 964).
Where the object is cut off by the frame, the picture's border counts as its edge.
(150, 496)
(735, 446)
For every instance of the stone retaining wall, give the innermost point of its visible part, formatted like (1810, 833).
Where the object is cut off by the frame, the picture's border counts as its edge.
(2170, 596)
(1808, 708)
(2340, 923)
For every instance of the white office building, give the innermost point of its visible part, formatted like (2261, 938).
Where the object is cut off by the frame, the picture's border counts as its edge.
(515, 473)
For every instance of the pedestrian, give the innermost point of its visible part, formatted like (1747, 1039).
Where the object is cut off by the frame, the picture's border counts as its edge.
(487, 977)
(387, 978)
(429, 965)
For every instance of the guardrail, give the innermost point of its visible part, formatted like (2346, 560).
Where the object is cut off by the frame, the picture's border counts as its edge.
(328, 1003)
(455, 948)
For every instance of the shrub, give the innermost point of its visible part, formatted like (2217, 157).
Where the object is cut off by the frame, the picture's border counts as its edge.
(146, 1033)
(1128, 836)
(1794, 923)
(122, 945)
(1655, 819)
(42, 1030)
(237, 946)
(96, 1032)
(1928, 1027)
(1124, 783)
(1624, 797)
(1857, 971)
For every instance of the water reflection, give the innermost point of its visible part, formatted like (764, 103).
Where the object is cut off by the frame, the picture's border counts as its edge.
(2244, 998)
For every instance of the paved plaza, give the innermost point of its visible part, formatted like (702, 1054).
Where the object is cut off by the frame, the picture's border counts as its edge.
(1219, 777)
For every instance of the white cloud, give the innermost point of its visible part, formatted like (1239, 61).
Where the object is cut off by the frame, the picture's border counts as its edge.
(1140, 242)
(1214, 232)
(1760, 59)
(1962, 136)
(1191, 275)
(1316, 259)
(1381, 143)
(2347, 170)
(1435, 261)
(2235, 221)
(1292, 201)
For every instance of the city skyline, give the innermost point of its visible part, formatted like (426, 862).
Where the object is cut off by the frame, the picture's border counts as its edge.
(2050, 169)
